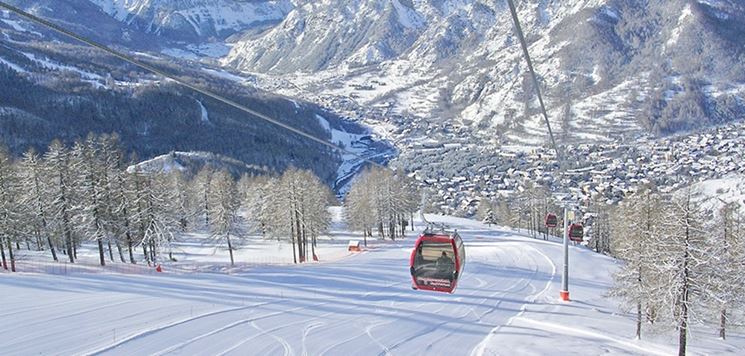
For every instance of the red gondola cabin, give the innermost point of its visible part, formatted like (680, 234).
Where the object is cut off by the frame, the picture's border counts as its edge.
(576, 232)
(437, 261)
(551, 220)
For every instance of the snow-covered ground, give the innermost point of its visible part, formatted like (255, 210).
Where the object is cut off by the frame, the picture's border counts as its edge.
(506, 303)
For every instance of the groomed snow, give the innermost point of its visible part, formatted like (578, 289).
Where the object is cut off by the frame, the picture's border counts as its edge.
(361, 304)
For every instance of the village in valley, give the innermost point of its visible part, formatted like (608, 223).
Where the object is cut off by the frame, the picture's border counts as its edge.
(599, 171)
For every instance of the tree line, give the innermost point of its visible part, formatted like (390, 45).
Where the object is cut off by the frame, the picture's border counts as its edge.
(90, 192)
(684, 263)
(381, 201)
(526, 209)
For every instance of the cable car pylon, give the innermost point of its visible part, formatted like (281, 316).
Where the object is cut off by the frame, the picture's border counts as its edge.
(564, 293)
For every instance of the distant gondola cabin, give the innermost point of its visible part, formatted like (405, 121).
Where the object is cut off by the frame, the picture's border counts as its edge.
(576, 232)
(551, 220)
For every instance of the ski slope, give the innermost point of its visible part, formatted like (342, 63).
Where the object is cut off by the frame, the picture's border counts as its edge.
(362, 304)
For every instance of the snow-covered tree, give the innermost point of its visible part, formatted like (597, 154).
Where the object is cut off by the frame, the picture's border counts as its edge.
(600, 227)
(636, 226)
(201, 185)
(486, 212)
(178, 199)
(224, 202)
(125, 204)
(92, 203)
(683, 257)
(504, 213)
(728, 270)
(61, 210)
(135, 187)
(111, 170)
(391, 200)
(160, 224)
(256, 197)
(9, 211)
(34, 197)
(359, 211)
(299, 207)
(316, 218)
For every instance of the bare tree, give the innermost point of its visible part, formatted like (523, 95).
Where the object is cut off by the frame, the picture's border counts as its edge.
(34, 198)
(726, 276)
(299, 208)
(683, 257)
(57, 162)
(224, 203)
(636, 227)
(9, 212)
(359, 206)
(91, 201)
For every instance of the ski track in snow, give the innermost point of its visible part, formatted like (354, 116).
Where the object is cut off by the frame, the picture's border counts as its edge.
(565, 329)
(481, 348)
(358, 305)
(171, 325)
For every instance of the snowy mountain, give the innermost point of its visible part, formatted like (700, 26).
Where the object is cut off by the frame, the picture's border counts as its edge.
(195, 19)
(609, 68)
(441, 76)
(322, 34)
(64, 91)
(626, 67)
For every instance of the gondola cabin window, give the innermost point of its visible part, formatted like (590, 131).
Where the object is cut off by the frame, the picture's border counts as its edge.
(436, 260)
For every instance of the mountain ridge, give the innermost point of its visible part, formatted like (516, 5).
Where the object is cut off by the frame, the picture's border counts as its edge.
(648, 68)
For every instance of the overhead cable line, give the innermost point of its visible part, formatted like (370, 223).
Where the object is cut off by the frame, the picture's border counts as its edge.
(564, 292)
(524, 44)
(213, 95)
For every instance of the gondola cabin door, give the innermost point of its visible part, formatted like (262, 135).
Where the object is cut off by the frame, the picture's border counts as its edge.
(437, 262)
